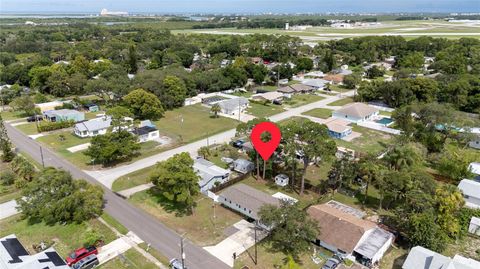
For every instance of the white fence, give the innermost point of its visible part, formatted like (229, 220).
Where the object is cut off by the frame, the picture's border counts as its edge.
(378, 127)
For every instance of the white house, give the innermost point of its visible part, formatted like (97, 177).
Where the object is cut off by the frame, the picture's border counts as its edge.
(343, 231)
(93, 127)
(475, 142)
(471, 192)
(272, 97)
(474, 227)
(281, 180)
(210, 174)
(233, 106)
(146, 133)
(243, 166)
(423, 258)
(356, 112)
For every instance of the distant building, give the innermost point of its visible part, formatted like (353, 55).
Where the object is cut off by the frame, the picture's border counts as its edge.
(105, 12)
(14, 256)
(316, 83)
(474, 227)
(246, 200)
(272, 97)
(475, 142)
(356, 112)
(64, 115)
(91, 107)
(423, 258)
(93, 127)
(471, 193)
(210, 174)
(49, 105)
(295, 88)
(338, 128)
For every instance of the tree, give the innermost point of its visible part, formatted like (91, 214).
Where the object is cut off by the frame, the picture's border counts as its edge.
(311, 141)
(119, 115)
(402, 157)
(173, 92)
(113, 147)
(342, 173)
(22, 168)
(5, 145)
(413, 60)
(303, 64)
(144, 105)
(291, 227)
(204, 152)
(23, 103)
(216, 109)
(55, 197)
(450, 201)
(368, 172)
(374, 72)
(132, 59)
(177, 181)
(422, 230)
(352, 81)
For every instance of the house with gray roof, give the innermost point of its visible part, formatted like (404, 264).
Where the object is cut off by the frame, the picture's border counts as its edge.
(422, 258)
(210, 174)
(316, 83)
(64, 115)
(243, 166)
(246, 200)
(93, 127)
(474, 226)
(356, 112)
(233, 106)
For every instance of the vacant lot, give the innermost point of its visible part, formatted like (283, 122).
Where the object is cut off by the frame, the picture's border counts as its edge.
(204, 227)
(136, 178)
(323, 113)
(302, 99)
(65, 238)
(341, 102)
(28, 128)
(259, 110)
(371, 141)
(191, 123)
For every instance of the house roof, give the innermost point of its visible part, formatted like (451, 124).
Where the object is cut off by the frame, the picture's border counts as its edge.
(339, 228)
(231, 104)
(270, 96)
(249, 198)
(144, 130)
(375, 240)
(337, 125)
(470, 188)
(422, 258)
(286, 89)
(475, 168)
(242, 163)
(337, 78)
(14, 256)
(207, 171)
(358, 110)
(316, 83)
(301, 87)
(61, 112)
(94, 124)
(475, 221)
(50, 104)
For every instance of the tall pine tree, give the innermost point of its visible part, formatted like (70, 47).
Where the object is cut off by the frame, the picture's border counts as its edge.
(5, 144)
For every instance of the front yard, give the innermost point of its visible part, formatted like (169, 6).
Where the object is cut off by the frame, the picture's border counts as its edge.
(133, 179)
(302, 99)
(130, 259)
(371, 141)
(204, 227)
(260, 111)
(323, 113)
(341, 102)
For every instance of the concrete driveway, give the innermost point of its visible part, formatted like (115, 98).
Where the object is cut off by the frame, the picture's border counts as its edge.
(239, 242)
(8, 209)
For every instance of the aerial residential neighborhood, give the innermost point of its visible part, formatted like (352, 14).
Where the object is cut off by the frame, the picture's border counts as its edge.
(239, 134)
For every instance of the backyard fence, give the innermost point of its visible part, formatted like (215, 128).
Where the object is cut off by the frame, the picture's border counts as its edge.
(229, 183)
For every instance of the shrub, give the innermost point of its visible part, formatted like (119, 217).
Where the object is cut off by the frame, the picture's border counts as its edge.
(92, 237)
(7, 178)
(50, 126)
(20, 183)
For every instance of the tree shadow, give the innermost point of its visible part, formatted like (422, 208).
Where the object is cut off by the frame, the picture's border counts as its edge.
(179, 209)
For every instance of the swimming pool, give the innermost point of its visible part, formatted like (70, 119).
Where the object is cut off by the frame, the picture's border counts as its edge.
(384, 121)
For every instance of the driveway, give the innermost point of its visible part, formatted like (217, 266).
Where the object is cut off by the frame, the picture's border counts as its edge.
(237, 243)
(8, 209)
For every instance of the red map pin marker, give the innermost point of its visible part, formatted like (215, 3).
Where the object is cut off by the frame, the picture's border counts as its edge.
(265, 149)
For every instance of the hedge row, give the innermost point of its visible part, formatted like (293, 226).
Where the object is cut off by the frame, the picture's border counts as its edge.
(50, 126)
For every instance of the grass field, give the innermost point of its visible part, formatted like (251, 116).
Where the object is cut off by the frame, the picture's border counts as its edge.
(259, 110)
(341, 102)
(200, 227)
(371, 141)
(65, 238)
(323, 113)
(302, 99)
(28, 128)
(12, 115)
(191, 123)
(136, 178)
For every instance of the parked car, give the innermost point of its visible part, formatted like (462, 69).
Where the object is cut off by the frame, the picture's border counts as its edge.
(176, 264)
(88, 262)
(81, 253)
(331, 263)
(34, 118)
(238, 143)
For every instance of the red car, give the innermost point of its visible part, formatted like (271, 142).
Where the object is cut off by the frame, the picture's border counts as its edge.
(80, 254)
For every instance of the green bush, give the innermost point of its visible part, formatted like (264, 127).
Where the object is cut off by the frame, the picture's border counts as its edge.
(92, 237)
(7, 178)
(20, 183)
(50, 126)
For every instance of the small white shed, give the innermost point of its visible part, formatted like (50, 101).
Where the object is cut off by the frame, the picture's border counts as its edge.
(474, 227)
(281, 180)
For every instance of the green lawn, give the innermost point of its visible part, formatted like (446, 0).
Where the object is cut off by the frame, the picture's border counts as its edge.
(12, 115)
(339, 88)
(65, 238)
(385, 113)
(259, 110)
(133, 179)
(323, 113)
(200, 227)
(191, 123)
(8, 193)
(114, 223)
(129, 259)
(341, 102)
(394, 258)
(302, 99)
(371, 141)
(28, 128)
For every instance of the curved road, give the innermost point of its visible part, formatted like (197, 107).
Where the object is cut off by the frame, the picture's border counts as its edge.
(141, 223)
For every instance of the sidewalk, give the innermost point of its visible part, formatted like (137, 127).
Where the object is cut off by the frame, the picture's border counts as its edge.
(129, 192)
(8, 209)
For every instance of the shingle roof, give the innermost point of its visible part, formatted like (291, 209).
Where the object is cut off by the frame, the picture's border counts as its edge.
(207, 170)
(359, 110)
(249, 198)
(338, 228)
(286, 89)
(317, 83)
(270, 95)
(144, 130)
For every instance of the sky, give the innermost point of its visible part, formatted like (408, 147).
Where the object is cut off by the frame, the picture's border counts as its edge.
(239, 6)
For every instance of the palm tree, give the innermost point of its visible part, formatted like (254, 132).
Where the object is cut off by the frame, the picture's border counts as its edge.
(216, 109)
(204, 152)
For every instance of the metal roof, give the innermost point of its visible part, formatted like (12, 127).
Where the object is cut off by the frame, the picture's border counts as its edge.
(94, 124)
(375, 240)
(470, 188)
(207, 171)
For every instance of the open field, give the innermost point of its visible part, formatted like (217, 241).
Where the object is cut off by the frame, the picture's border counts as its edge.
(408, 29)
(259, 110)
(371, 141)
(201, 227)
(65, 238)
(323, 113)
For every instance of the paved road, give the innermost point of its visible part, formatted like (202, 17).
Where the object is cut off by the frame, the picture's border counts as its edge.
(108, 176)
(141, 223)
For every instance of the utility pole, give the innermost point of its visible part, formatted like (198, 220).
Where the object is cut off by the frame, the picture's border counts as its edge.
(239, 109)
(183, 253)
(41, 154)
(256, 257)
